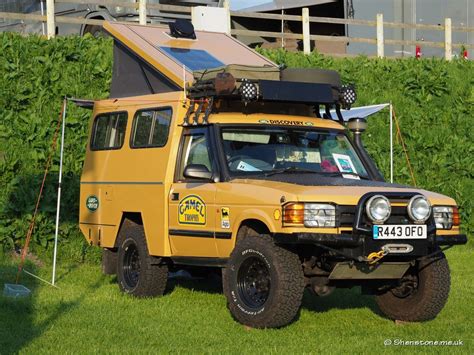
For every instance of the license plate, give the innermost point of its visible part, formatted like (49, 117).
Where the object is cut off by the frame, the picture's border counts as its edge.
(399, 231)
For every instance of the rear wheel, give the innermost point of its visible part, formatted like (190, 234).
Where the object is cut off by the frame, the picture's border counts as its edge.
(263, 283)
(421, 294)
(138, 273)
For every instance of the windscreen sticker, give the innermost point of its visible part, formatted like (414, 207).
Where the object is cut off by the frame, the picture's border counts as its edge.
(347, 176)
(344, 163)
(192, 210)
(243, 166)
(287, 122)
(225, 218)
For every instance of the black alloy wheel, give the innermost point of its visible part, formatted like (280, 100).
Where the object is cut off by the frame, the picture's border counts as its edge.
(253, 282)
(139, 273)
(131, 266)
(263, 282)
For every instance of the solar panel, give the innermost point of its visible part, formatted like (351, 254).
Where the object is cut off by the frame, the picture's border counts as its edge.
(193, 59)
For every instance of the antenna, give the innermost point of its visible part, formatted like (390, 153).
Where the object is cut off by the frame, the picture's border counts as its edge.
(184, 84)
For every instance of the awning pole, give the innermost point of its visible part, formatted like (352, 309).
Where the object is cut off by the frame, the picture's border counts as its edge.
(58, 206)
(391, 142)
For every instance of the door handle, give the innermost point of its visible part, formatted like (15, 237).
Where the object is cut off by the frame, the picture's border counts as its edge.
(175, 196)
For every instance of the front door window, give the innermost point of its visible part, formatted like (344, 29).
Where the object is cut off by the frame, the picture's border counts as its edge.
(192, 201)
(195, 151)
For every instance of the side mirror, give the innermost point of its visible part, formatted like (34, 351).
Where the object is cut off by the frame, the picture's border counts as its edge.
(197, 171)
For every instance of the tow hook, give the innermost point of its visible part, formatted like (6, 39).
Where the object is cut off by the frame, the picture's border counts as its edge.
(376, 256)
(398, 248)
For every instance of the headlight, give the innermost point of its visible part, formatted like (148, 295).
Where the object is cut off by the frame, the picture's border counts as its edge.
(310, 214)
(446, 217)
(319, 215)
(378, 208)
(419, 209)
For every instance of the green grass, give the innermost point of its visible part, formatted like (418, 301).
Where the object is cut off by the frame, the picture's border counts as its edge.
(89, 314)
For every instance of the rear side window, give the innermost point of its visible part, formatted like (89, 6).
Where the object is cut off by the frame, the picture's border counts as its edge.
(109, 131)
(151, 128)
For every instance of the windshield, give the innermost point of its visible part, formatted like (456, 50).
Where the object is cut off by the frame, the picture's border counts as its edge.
(273, 150)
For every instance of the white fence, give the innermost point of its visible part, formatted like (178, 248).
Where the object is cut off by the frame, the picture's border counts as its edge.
(379, 41)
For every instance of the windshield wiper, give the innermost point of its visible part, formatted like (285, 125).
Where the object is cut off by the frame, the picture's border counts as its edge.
(290, 169)
(295, 169)
(338, 173)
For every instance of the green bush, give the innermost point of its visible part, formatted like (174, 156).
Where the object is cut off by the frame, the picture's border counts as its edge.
(433, 99)
(35, 76)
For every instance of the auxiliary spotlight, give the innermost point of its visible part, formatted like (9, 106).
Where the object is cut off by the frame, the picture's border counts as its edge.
(347, 96)
(248, 90)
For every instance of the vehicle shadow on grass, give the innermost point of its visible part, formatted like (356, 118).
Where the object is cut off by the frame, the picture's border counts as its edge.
(208, 284)
(18, 324)
(206, 280)
(339, 299)
(211, 282)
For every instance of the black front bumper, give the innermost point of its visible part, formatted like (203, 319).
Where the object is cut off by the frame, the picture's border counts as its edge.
(362, 244)
(458, 239)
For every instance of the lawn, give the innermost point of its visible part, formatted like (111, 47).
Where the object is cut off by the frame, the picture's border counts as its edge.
(89, 314)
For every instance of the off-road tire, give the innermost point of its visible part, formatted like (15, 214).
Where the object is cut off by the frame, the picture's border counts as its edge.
(109, 261)
(427, 300)
(152, 274)
(286, 283)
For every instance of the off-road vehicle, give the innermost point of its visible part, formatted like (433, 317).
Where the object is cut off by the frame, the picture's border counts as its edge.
(210, 155)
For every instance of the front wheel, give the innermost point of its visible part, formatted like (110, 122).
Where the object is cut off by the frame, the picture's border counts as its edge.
(263, 283)
(421, 294)
(138, 273)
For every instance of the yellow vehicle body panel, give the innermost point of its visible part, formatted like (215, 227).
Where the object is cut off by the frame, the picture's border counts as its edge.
(141, 181)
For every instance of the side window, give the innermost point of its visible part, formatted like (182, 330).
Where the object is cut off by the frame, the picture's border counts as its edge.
(151, 128)
(109, 131)
(195, 150)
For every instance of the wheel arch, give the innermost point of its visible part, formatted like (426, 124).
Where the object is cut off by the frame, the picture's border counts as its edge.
(255, 218)
(255, 224)
(128, 218)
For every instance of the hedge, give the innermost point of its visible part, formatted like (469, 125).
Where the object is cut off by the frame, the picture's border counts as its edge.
(433, 100)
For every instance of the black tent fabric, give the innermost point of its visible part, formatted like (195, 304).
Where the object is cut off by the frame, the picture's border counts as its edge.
(132, 76)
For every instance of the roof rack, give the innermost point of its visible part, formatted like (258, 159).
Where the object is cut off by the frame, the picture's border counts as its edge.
(222, 84)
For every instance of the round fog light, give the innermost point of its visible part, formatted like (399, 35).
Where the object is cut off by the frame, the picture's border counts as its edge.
(378, 208)
(419, 208)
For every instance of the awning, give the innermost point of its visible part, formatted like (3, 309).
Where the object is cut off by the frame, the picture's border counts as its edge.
(361, 112)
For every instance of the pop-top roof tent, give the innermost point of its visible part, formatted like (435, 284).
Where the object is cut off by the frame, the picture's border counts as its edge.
(148, 60)
(210, 65)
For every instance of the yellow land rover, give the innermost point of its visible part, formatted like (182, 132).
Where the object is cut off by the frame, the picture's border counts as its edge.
(208, 154)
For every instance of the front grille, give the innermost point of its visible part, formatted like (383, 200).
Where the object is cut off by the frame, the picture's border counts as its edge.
(346, 215)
